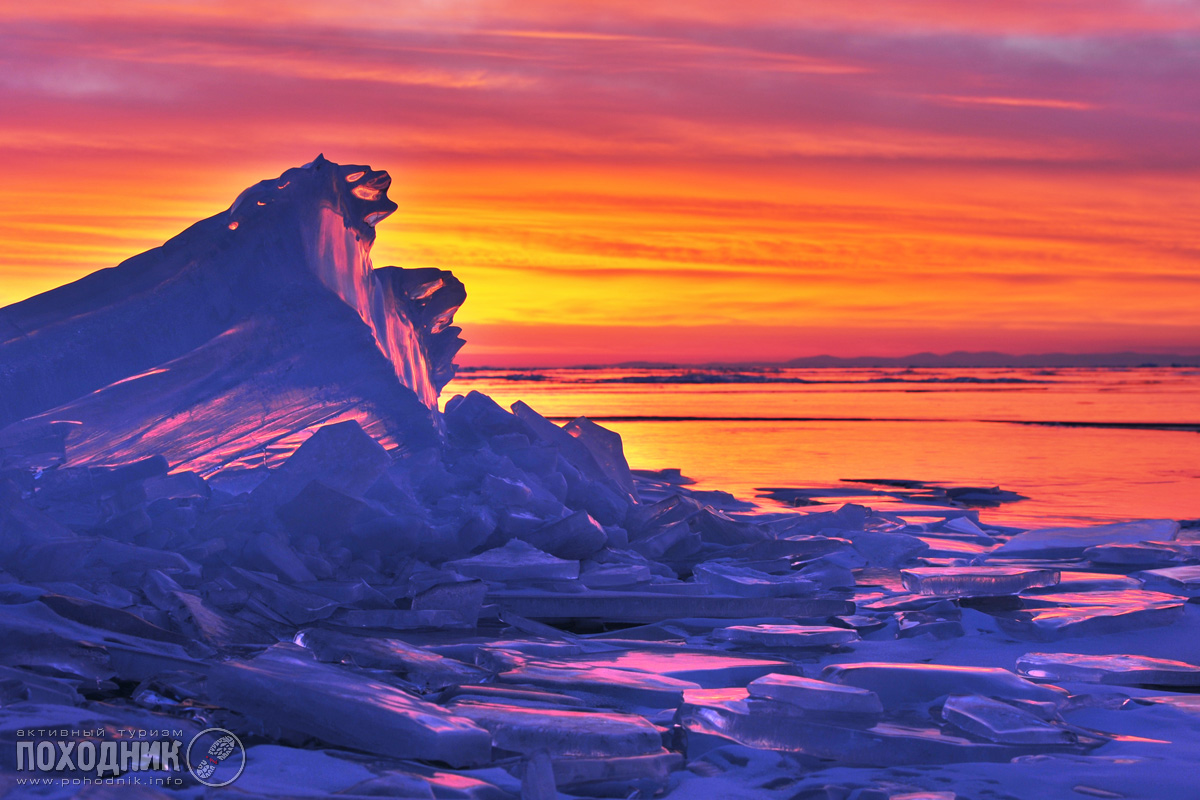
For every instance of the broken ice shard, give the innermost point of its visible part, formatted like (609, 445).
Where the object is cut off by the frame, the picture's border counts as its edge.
(1072, 542)
(227, 345)
(1048, 617)
(514, 562)
(772, 725)
(1184, 581)
(787, 635)
(975, 581)
(609, 576)
(461, 598)
(98, 559)
(1143, 556)
(284, 687)
(901, 684)
(426, 670)
(628, 687)
(605, 447)
(1121, 670)
(726, 578)
(938, 623)
(341, 456)
(814, 695)
(572, 537)
(34, 636)
(194, 616)
(1000, 722)
(616, 775)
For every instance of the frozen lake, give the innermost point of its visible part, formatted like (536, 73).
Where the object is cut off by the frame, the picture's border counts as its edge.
(740, 431)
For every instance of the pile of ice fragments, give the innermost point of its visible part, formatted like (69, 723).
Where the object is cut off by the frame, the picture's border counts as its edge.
(518, 614)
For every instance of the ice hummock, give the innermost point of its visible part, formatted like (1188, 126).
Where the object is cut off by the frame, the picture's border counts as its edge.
(226, 346)
(362, 601)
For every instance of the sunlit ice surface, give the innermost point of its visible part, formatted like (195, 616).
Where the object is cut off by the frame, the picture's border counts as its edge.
(976, 427)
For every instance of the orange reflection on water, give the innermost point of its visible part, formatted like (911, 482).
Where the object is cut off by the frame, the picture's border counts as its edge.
(860, 427)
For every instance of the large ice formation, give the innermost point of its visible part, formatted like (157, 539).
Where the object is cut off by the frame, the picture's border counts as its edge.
(226, 346)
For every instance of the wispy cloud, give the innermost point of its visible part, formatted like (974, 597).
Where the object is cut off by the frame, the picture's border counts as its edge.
(1017, 102)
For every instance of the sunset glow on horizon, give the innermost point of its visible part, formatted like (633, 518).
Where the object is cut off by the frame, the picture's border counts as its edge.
(618, 181)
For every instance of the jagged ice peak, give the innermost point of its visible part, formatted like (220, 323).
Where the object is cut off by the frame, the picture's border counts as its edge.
(229, 344)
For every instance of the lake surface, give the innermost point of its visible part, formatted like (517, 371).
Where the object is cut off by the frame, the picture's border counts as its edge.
(1084, 445)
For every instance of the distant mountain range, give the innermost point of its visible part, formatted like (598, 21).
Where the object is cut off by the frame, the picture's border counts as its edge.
(962, 358)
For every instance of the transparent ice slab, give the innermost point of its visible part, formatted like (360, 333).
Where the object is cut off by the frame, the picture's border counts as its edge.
(1002, 723)
(1122, 670)
(978, 581)
(908, 684)
(814, 695)
(1184, 581)
(730, 579)
(1072, 542)
(787, 635)
(1053, 616)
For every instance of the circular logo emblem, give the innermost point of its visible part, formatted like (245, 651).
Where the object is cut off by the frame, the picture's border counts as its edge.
(212, 756)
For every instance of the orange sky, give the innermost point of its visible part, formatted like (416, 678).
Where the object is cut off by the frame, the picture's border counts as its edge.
(675, 180)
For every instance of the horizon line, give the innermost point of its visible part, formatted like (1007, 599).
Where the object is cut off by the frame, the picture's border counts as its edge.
(867, 361)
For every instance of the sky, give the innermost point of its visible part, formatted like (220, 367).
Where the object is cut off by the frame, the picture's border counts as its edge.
(664, 181)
